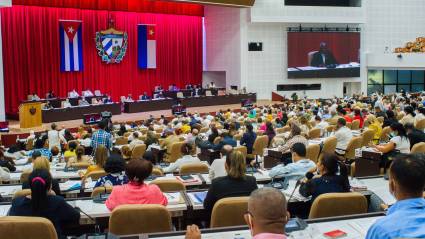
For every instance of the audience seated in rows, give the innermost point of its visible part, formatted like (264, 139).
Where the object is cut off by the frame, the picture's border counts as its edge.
(136, 191)
(235, 184)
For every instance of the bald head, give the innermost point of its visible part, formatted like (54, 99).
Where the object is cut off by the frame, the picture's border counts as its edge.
(268, 209)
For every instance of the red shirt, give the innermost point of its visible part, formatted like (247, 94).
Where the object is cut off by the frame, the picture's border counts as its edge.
(358, 117)
(133, 193)
(348, 119)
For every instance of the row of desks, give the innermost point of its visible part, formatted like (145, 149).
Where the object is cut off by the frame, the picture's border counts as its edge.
(166, 104)
(355, 227)
(77, 112)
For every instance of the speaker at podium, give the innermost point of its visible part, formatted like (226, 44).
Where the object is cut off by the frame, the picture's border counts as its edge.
(30, 115)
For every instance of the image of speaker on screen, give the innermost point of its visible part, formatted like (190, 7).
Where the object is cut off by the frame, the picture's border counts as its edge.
(323, 57)
(323, 54)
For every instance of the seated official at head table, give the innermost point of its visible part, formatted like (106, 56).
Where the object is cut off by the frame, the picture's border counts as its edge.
(235, 184)
(144, 96)
(73, 94)
(136, 191)
(87, 93)
(266, 217)
(406, 218)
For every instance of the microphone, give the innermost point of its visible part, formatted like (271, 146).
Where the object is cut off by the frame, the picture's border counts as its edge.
(299, 181)
(96, 226)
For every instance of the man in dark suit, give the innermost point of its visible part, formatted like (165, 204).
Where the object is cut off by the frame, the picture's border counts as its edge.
(144, 96)
(323, 57)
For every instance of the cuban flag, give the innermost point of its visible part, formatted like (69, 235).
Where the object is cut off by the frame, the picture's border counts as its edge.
(147, 46)
(71, 45)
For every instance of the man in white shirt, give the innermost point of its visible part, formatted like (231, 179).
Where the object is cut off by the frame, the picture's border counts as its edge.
(87, 93)
(67, 104)
(73, 94)
(35, 97)
(135, 140)
(54, 137)
(217, 168)
(321, 124)
(186, 159)
(296, 170)
(343, 135)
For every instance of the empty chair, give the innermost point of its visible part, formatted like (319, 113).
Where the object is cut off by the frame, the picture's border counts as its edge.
(355, 143)
(237, 137)
(24, 176)
(27, 228)
(368, 137)
(193, 168)
(82, 165)
(217, 140)
(338, 204)
(203, 130)
(329, 129)
(420, 125)
(313, 151)
(169, 185)
(418, 148)
(127, 134)
(229, 212)
(242, 149)
(95, 175)
(138, 219)
(101, 190)
(121, 141)
(175, 152)
(138, 151)
(348, 125)
(329, 146)
(283, 130)
(260, 144)
(355, 125)
(385, 135)
(22, 193)
(314, 133)
(157, 172)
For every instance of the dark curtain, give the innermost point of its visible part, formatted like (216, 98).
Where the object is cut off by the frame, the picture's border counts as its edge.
(31, 53)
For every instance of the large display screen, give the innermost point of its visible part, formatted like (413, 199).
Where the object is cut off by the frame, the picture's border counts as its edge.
(323, 54)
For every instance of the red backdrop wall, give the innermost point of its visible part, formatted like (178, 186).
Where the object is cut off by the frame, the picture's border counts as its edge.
(345, 46)
(31, 53)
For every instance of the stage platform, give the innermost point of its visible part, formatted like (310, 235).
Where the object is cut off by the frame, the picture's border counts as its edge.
(124, 117)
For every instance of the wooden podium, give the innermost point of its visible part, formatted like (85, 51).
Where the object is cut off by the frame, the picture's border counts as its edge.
(30, 115)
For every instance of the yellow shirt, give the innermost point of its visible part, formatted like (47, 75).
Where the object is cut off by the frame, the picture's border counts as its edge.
(269, 117)
(69, 154)
(93, 168)
(376, 126)
(185, 129)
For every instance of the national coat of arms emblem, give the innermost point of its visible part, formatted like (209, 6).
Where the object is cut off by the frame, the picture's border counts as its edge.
(111, 45)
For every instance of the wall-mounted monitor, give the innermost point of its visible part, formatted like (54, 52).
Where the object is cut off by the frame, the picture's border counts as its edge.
(323, 54)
